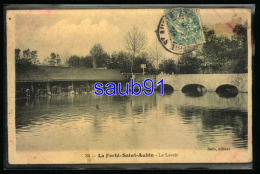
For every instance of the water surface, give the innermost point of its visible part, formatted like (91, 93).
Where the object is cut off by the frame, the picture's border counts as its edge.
(175, 121)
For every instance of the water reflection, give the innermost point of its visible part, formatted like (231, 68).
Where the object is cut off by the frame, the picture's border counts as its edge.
(195, 94)
(227, 121)
(131, 122)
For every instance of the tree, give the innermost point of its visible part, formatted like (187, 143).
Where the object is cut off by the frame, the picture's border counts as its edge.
(77, 61)
(143, 59)
(87, 62)
(188, 64)
(54, 59)
(168, 66)
(224, 55)
(27, 54)
(135, 42)
(216, 51)
(155, 53)
(240, 36)
(17, 54)
(120, 61)
(240, 33)
(34, 57)
(99, 56)
(74, 61)
(26, 57)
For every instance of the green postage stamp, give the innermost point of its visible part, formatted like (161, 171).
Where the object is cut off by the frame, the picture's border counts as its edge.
(179, 29)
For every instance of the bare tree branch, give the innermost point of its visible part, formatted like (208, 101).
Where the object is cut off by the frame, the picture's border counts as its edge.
(155, 53)
(135, 41)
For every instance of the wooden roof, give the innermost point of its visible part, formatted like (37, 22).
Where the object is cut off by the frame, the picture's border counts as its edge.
(54, 73)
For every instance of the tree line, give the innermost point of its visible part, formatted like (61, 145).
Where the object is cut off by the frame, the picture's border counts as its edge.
(26, 57)
(218, 54)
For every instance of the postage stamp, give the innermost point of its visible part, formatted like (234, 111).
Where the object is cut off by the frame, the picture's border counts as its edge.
(179, 29)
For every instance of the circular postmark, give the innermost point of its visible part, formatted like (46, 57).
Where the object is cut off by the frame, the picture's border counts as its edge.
(180, 31)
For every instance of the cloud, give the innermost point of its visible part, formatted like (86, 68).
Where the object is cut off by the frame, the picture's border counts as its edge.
(85, 28)
(65, 35)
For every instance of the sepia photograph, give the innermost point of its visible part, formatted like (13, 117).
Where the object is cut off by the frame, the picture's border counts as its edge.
(138, 85)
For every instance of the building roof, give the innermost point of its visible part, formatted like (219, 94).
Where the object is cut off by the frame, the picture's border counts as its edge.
(54, 73)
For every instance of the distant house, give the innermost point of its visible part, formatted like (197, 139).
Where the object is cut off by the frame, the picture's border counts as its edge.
(42, 80)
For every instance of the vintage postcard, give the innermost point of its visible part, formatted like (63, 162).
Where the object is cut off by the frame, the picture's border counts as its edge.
(109, 86)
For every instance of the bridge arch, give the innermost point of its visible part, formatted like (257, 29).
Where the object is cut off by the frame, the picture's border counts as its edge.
(227, 90)
(194, 90)
(210, 81)
(168, 89)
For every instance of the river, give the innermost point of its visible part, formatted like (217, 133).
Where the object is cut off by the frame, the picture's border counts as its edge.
(175, 121)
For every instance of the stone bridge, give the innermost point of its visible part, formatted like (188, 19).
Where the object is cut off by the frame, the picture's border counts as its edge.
(210, 81)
